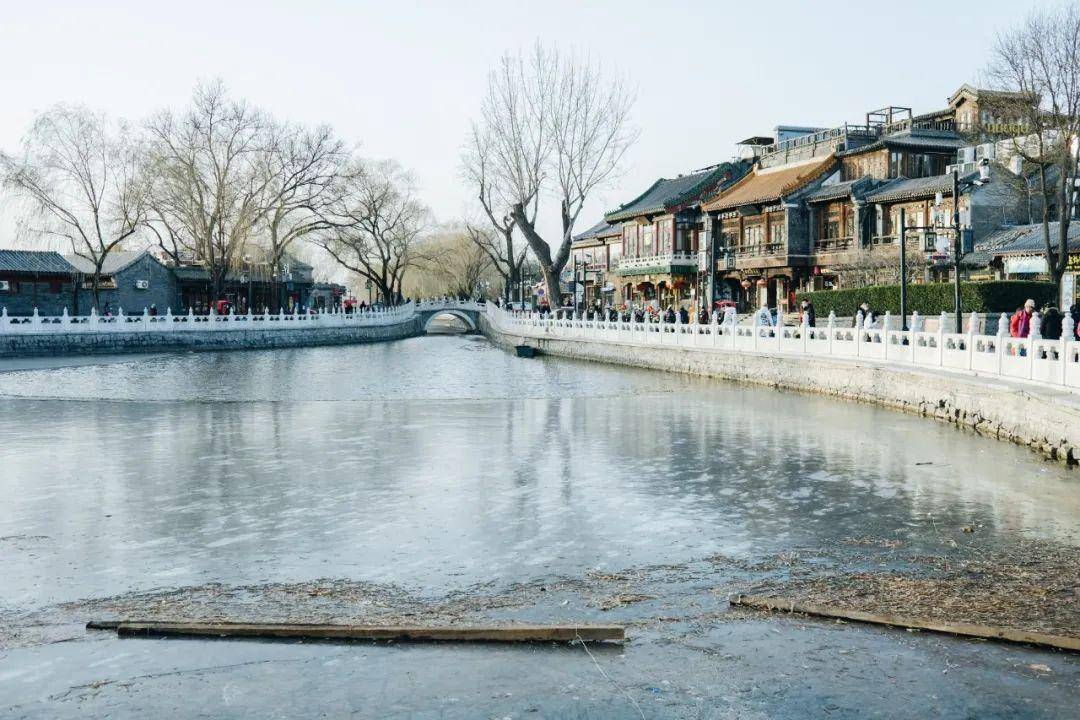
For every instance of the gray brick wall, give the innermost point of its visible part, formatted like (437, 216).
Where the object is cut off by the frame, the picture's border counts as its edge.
(48, 302)
(163, 290)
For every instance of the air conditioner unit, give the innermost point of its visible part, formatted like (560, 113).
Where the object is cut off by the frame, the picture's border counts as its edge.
(5, 286)
(142, 284)
(986, 150)
(965, 155)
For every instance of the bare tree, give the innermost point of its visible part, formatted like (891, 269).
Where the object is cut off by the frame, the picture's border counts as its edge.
(82, 177)
(374, 224)
(211, 187)
(498, 242)
(1038, 64)
(557, 125)
(302, 168)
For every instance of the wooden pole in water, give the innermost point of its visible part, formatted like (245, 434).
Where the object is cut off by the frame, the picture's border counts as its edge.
(1061, 642)
(449, 633)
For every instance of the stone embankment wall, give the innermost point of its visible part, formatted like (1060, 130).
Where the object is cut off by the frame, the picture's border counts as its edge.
(1045, 419)
(28, 345)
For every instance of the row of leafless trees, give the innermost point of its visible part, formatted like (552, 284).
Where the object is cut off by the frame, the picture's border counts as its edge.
(212, 183)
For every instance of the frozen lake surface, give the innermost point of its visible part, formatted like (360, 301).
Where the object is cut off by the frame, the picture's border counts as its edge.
(443, 467)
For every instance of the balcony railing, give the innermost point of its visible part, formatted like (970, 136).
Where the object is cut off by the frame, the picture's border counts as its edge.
(839, 244)
(678, 259)
(764, 250)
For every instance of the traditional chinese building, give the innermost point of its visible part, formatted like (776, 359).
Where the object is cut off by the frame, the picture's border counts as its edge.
(760, 225)
(660, 231)
(594, 256)
(38, 279)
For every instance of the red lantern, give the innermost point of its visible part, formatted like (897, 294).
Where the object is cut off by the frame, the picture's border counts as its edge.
(746, 284)
(762, 282)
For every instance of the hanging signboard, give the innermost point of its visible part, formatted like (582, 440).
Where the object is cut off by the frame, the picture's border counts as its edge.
(1030, 265)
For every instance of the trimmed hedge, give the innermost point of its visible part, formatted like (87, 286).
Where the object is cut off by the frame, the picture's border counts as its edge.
(931, 299)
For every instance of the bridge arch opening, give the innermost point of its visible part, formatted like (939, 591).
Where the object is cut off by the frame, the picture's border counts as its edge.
(464, 317)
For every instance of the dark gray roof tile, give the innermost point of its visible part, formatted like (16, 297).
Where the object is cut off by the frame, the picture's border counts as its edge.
(34, 261)
(666, 194)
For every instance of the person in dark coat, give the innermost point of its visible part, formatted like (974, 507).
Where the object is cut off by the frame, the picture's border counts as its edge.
(1051, 323)
(809, 317)
(684, 316)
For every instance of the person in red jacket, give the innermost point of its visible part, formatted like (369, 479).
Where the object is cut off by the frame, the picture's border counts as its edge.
(1020, 324)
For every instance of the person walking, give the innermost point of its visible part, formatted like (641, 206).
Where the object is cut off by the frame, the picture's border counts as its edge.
(1020, 323)
(684, 316)
(808, 317)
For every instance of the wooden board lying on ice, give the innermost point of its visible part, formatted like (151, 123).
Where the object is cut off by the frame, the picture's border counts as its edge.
(447, 633)
(1062, 642)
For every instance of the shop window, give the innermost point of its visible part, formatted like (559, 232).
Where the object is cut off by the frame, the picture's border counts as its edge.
(648, 248)
(753, 235)
(777, 234)
(665, 236)
(831, 229)
(895, 164)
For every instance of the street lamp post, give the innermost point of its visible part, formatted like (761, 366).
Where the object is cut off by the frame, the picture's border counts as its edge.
(958, 252)
(903, 271)
(956, 248)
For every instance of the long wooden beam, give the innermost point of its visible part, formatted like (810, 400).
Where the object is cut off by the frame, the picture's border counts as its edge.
(1061, 642)
(446, 633)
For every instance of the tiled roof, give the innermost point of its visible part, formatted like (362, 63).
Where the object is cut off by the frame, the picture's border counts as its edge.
(941, 142)
(666, 194)
(34, 261)
(599, 230)
(836, 191)
(1027, 240)
(115, 261)
(771, 184)
(915, 188)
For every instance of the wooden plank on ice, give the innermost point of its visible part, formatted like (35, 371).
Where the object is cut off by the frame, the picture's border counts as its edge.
(447, 633)
(1062, 642)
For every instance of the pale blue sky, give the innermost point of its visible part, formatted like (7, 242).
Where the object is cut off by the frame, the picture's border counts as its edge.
(404, 78)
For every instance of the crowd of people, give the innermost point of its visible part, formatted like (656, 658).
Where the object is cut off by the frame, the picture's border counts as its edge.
(1049, 323)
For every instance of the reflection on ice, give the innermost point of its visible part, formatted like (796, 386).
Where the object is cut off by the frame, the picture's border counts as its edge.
(441, 469)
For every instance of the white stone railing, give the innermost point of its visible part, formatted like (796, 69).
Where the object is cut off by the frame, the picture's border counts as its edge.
(437, 304)
(168, 323)
(1050, 362)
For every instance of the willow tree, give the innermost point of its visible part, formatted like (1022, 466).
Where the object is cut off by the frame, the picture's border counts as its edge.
(375, 224)
(558, 127)
(81, 176)
(1037, 64)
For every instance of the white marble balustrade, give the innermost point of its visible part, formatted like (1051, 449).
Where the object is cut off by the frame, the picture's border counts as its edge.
(1051, 362)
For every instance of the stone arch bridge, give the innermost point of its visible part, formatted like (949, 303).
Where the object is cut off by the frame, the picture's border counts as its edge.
(468, 311)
